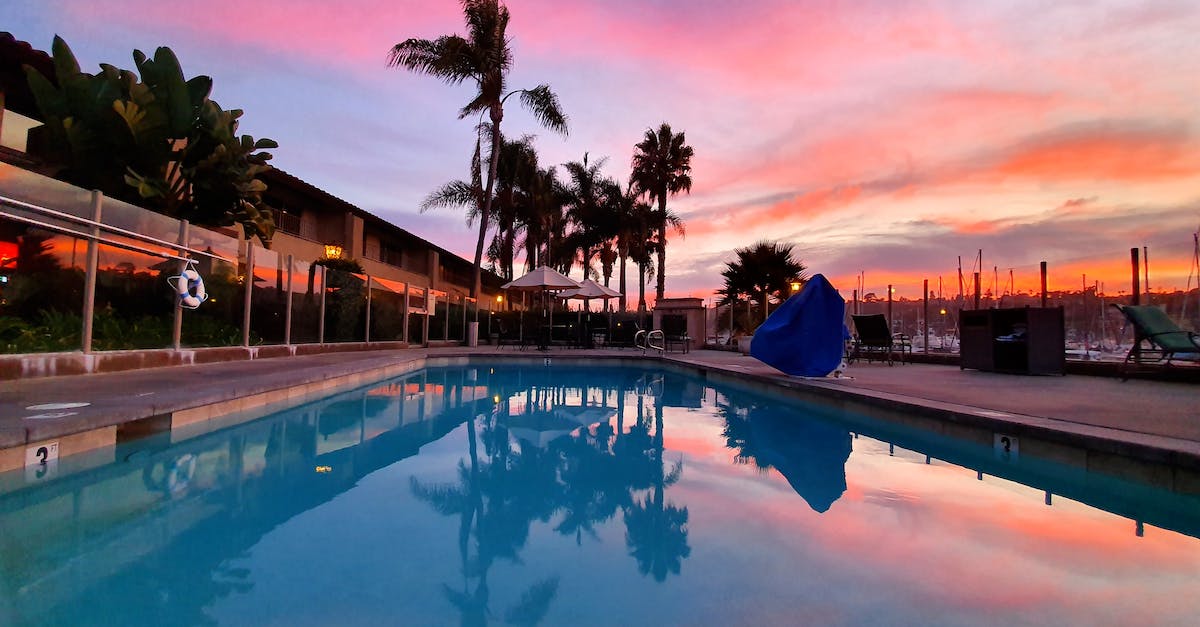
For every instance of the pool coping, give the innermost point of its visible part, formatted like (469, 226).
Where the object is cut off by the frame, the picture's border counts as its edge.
(212, 397)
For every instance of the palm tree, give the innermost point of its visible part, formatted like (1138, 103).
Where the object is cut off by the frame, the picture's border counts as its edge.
(543, 217)
(662, 166)
(762, 270)
(632, 216)
(586, 208)
(484, 57)
(514, 178)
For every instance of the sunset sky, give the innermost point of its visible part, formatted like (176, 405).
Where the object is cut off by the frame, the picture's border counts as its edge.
(883, 138)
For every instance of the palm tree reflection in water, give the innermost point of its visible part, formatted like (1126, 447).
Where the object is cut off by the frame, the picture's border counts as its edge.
(577, 481)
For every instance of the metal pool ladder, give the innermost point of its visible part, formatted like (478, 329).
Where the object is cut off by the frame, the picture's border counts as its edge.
(645, 340)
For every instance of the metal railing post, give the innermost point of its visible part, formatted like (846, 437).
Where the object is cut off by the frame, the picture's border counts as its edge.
(249, 292)
(367, 331)
(404, 310)
(321, 318)
(177, 327)
(287, 315)
(89, 277)
(425, 320)
(925, 315)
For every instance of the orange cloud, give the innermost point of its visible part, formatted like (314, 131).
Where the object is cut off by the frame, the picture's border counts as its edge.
(805, 205)
(1105, 154)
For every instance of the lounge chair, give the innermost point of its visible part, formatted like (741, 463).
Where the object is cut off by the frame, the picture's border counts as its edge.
(1156, 338)
(873, 339)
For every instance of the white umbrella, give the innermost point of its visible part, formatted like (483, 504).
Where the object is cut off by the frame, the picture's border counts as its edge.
(541, 278)
(589, 289)
(544, 279)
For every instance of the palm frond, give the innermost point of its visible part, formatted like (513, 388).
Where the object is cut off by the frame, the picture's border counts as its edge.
(455, 194)
(448, 57)
(544, 106)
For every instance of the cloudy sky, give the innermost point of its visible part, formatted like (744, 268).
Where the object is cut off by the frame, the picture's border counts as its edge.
(885, 139)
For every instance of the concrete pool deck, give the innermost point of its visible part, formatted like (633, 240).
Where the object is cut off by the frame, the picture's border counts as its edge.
(1152, 421)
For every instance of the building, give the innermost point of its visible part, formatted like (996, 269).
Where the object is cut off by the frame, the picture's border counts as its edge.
(310, 222)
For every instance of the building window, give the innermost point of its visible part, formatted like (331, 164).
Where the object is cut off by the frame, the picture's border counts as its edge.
(391, 255)
(287, 222)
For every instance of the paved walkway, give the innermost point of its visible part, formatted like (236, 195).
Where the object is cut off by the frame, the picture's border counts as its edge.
(1149, 413)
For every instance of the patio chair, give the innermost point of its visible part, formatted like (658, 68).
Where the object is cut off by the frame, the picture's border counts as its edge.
(1156, 338)
(873, 339)
(511, 335)
(674, 328)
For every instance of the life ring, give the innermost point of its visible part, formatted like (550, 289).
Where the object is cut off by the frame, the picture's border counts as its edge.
(180, 474)
(190, 287)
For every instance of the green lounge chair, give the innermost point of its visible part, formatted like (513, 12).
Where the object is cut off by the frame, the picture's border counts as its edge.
(1156, 338)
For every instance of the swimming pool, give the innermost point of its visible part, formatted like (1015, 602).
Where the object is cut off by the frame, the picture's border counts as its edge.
(601, 495)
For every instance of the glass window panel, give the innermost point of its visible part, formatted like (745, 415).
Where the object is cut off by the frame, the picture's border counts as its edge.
(126, 216)
(387, 311)
(41, 289)
(135, 302)
(26, 186)
(456, 306)
(438, 315)
(219, 244)
(268, 302)
(306, 302)
(218, 321)
(417, 317)
(345, 306)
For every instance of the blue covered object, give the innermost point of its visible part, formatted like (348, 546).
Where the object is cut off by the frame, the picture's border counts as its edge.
(804, 337)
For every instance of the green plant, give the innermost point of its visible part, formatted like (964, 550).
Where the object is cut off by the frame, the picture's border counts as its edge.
(158, 141)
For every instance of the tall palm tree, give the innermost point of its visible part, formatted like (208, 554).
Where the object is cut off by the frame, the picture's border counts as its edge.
(633, 231)
(482, 56)
(545, 221)
(518, 166)
(763, 269)
(586, 206)
(662, 166)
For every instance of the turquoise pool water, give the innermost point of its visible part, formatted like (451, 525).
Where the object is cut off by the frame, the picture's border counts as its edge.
(599, 496)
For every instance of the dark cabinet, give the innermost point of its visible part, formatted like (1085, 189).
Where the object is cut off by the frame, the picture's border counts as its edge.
(1027, 340)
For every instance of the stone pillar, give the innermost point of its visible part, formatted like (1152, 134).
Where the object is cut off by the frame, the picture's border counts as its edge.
(693, 311)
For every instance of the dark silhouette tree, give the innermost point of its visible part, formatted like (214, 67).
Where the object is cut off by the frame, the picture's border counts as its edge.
(662, 167)
(484, 57)
(763, 270)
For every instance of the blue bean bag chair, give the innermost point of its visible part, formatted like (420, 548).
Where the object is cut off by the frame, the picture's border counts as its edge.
(805, 336)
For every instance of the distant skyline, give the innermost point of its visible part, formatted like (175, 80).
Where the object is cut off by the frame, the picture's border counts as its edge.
(882, 138)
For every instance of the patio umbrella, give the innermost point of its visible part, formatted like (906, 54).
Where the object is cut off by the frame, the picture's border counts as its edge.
(543, 279)
(589, 289)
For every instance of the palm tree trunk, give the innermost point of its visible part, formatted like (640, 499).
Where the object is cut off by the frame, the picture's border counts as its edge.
(641, 287)
(622, 300)
(662, 246)
(497, 114)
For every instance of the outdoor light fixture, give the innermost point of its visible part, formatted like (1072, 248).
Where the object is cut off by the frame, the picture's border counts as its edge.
(333, 251)
(795, 286)
(499, 298)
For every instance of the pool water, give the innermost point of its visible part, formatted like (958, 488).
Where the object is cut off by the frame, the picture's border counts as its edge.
(504, 494)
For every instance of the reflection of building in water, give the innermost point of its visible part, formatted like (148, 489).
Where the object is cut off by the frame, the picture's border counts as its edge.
(74, 542)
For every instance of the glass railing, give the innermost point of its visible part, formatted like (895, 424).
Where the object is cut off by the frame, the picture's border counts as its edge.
(306, 301)
(387, 310)
(45, 230)
(345, 306)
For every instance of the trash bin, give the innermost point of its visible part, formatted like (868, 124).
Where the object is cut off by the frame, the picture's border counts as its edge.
(472, 334)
